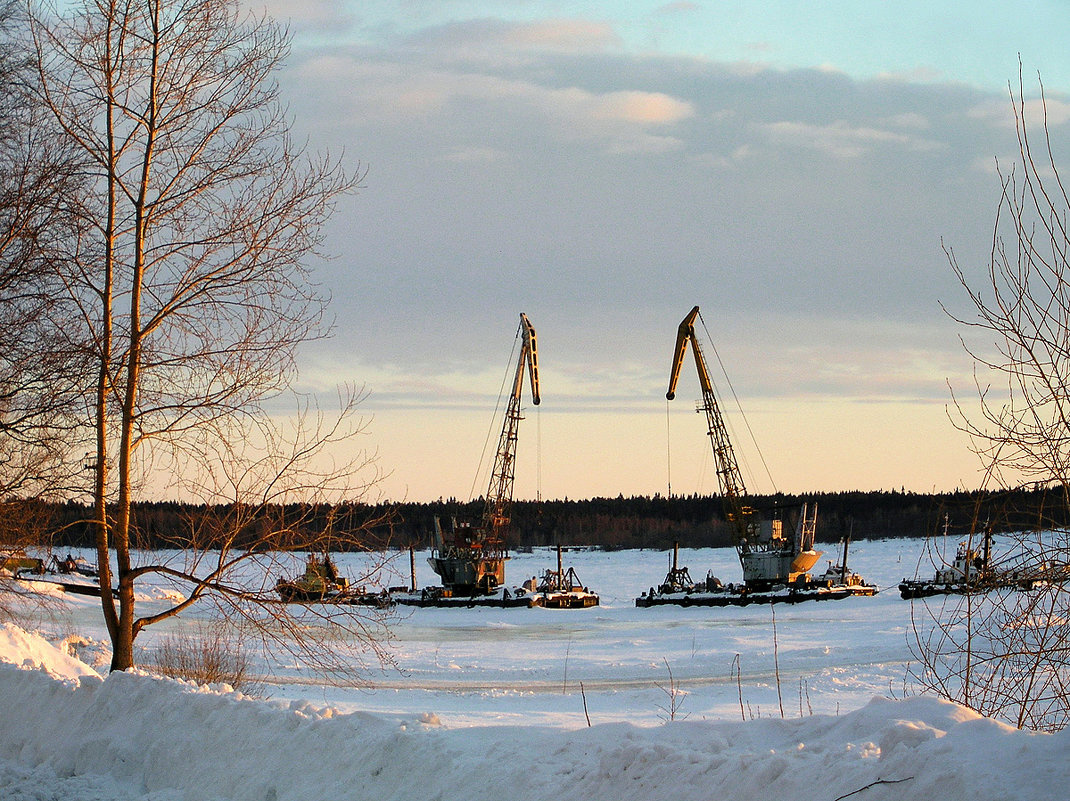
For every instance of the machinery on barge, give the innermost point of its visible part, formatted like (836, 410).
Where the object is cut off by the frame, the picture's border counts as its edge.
(470, 559)
(775, 559)
(559, 589)
(73, 574)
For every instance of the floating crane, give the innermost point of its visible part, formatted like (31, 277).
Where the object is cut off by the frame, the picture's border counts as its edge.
(469, 559)
(774, 565)
(767, 556)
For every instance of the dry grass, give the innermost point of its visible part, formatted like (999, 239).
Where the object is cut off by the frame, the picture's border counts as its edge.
(210, 655)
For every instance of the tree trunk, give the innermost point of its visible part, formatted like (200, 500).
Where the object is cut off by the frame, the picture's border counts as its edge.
(122, 641)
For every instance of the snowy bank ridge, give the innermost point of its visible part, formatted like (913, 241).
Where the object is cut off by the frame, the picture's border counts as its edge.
(67, 733)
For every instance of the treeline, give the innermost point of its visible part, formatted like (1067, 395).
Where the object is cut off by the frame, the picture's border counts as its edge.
(699, 520)
(613, 523)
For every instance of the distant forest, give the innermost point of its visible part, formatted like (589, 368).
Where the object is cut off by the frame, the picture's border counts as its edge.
(612, 523)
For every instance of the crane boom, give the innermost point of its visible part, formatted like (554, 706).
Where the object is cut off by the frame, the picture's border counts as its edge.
(500, 491)
(729, 477)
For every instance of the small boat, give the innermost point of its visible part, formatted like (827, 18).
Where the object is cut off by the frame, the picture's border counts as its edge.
(320, 582)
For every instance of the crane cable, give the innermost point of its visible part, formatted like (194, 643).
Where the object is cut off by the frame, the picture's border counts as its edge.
(668, 449)
(739, 406)
(494, 419)
(538, 454)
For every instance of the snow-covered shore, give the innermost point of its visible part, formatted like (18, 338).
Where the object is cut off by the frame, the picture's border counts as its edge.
(68, 734)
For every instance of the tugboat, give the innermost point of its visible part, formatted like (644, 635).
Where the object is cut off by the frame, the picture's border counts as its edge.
(16, 562)
(972, 572)
(775, 561)
(319, 582)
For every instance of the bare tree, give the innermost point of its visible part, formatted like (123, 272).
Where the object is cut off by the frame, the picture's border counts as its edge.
(1004, 653)
(1022, 317)
(39, 390)
(192, 282)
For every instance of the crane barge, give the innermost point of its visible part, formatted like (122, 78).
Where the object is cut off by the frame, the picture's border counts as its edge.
(775, 561)
(470, 559)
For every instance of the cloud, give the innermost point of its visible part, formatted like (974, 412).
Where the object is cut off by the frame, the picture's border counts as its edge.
(563, 35)
(1056, 110)
(916, 75)
(476, 154)
(492, 38)
(624, 121)
(643, 107)
(841, 140)
(912, 120)
(502, 187)
(307, 15)
(678, 7)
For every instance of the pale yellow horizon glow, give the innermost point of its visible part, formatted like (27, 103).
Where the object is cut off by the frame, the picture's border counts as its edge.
(809, 446)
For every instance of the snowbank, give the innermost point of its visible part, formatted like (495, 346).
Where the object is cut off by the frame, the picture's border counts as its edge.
(66, 733)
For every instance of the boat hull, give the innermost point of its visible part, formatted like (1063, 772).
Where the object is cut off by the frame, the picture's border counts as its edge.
(740, 596)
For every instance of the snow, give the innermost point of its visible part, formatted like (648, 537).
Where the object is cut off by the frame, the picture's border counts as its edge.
(487, 704)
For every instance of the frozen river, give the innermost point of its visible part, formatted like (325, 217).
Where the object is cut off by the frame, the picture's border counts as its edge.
(484, 666)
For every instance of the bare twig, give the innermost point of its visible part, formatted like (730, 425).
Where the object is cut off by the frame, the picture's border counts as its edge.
(776, 660)
(738, 670)
(674, 693)
(873, 784)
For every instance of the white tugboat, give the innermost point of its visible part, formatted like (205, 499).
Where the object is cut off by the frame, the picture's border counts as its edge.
(972, 571)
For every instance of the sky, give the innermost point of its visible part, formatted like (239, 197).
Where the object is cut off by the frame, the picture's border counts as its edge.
(795, 170)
